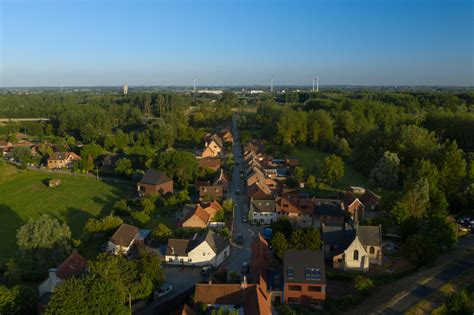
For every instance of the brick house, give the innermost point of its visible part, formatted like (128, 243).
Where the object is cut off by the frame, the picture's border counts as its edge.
(154, 182)
(299, 209)
(201, 215)
(328, 212)
(59, 160)
(304, 277)
(353, 205)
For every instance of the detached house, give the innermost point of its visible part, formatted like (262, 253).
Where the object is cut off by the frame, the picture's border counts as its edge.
(212, 147)
(209, 249)
(353, 249)
(304, 277)
(222, 180)
(154, 182)
(124, 238)
(59, 160)
(201, 215)
(74, 265)
(226, 135)
(208, 191)
(370, 199)
(298, 208)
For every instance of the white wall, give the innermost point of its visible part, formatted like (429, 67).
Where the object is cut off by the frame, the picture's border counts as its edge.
(200, 256)
(267, 217)
(362, 264)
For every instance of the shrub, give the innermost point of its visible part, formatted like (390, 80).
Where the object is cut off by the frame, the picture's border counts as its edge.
(363, 284)
(141, 217)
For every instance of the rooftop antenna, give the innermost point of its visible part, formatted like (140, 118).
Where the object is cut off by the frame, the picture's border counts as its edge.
(271, 85)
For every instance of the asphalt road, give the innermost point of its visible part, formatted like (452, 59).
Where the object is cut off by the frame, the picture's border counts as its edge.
(397, 297)
(184, 278)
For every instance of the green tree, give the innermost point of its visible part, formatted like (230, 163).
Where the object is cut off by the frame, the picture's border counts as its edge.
(332, 168)
(9, 300)
(280, 244)
(162, 232)
(12, 273)
(104, 224)
(124, 166)
(219, 216)
(306, 238)
(414, 142)
(87, 295)
(385, 172)
(415, 201)
(44, 241)
(298, 173)
(228, 205)
(311, 181)
(282, 225)
(180, 165)
(419, 250)
(442, 232)
(458, 303)
(363, 284)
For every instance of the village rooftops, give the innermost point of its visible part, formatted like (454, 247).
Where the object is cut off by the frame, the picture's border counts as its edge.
(74, 265)
(181, 247)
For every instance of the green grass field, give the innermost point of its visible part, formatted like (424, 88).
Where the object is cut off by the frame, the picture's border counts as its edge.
(309, 156)
(24, 195)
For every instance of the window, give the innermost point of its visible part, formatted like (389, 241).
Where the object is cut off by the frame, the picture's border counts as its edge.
(372, 249)
(312, 274)
(293, 301)
(313, 288)
(204, 254)
(356, 255)
(170, 259)
(181, 260)
(290, 272)
(294, 287)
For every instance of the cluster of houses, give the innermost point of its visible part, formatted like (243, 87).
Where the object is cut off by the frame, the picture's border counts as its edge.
(348, 245)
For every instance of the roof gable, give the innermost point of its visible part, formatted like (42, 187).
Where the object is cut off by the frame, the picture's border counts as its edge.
(154, 177)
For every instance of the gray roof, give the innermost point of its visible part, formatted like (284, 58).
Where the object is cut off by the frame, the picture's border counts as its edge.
(299, 262)
(215, 241)
(263, 205)
(181, 247)
(332, 209)
(154, 177)
(369, 235)
(338, 236)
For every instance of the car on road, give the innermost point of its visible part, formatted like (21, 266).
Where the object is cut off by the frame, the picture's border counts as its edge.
(245, 219)
(245, 269)
(206, 271)
(164, 289)
(236, 163)
(267, 233)
(237, 191)
(239, 239)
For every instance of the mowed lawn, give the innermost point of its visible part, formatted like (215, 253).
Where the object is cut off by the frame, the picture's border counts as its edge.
(26, 195)
(309, 156)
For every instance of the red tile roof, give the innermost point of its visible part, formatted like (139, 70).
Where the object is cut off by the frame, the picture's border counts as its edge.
(74, 265)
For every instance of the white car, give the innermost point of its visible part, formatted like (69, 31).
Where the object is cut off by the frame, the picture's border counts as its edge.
(164, 289)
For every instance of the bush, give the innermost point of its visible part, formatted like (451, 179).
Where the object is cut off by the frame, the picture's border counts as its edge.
(162, 233)
(363, 284)
(102, 225)
(458, 303)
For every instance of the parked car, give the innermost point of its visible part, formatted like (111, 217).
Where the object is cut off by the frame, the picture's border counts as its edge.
(245, 269)
(206, 271)
(245, 219)
(239, 239)
(237, 191)
(164, 289)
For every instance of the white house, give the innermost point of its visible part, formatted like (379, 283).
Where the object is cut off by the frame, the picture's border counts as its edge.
(74, 265)
(209, 249)
(365, 249)
(262, 211)
(124, 238)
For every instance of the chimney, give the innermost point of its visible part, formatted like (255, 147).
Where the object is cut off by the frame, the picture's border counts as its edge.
(195, 236)
(53, 276)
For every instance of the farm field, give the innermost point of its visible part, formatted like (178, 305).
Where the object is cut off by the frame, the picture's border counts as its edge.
(25, 194)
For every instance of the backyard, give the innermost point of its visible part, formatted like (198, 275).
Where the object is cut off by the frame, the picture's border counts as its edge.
(25, 194)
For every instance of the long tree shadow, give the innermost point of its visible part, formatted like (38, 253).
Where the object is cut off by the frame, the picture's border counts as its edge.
(76, 219)
(10, 222)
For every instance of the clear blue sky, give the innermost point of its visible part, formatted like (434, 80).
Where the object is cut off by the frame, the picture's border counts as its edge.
(225, 42)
